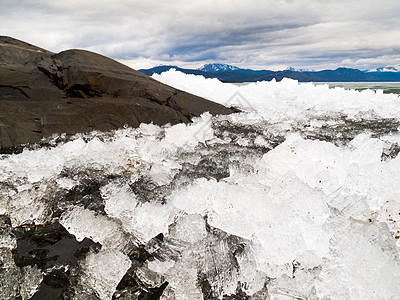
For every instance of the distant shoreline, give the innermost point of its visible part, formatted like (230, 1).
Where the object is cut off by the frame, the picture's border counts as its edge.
(386, 87)
(231, 75)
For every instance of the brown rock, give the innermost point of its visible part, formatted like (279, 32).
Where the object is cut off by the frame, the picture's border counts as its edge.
(42, 93)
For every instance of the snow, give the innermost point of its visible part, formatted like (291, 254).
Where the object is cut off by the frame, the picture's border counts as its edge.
(214, 68)
(290, 198)
(386, 69)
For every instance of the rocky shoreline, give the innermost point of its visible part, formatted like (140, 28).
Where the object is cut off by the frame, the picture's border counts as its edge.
(77, 91)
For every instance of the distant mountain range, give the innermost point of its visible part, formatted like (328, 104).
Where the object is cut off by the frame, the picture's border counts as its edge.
(228, 73)
(385, 69)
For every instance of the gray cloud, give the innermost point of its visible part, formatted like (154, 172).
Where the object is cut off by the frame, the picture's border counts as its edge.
(270, 34)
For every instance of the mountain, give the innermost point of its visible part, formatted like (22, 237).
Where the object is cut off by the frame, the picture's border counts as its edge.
(228, 73)
(217, 68)
(345, 75)
(232, 75)
(160, 69)
(298, 70)
(384, 69)
(44, 93)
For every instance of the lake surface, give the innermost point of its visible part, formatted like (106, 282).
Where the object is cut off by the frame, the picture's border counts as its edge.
(387, 87)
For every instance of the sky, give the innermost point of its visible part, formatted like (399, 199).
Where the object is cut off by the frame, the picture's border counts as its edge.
(268, 34)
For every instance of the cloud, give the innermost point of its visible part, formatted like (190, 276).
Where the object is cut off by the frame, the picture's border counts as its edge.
(374, 62)
(261, 34)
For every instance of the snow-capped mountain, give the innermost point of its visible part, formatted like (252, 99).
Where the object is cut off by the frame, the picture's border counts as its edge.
(216, 68)
(229, 73)
(298, 70)
(385, 69)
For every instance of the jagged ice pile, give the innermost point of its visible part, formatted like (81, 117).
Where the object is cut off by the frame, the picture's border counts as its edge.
(297, 197)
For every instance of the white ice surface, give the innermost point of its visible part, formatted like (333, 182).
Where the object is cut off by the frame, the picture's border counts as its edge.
(285, 99)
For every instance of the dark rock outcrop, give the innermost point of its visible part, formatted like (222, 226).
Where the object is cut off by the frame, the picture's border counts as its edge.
(43, 93)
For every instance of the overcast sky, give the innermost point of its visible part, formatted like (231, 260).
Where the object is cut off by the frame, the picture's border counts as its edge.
(265, 34)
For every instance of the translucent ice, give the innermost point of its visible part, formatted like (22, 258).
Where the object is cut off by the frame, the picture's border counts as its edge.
(145, 220)
(31, 279)
(84, 223)
(102, 272)
(9, 275)
(366, 265)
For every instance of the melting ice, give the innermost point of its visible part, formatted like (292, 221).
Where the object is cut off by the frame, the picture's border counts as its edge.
(297, 197)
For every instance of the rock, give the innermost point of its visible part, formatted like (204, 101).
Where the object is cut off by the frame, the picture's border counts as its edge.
(43, 93)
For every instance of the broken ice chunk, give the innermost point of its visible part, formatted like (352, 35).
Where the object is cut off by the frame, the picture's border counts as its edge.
(364, 264)
(27, 206)
(190, 228)
(145, 220)
(120, 201)
(83, 223)
(367, 150)
(182, 278)
(102, 272)
(160, 267)
(354, 206)
(9, 275)
(31, 279)
(7, 239)
(390, 214)
(164, 172)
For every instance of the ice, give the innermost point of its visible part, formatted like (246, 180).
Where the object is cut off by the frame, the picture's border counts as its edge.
(163, 174)
(204, 257)
(84, 223)
(183, 135)
(367, 264)
(27, 207)
(148, 277)
(9, 272)
(287, 98)
(293, 200)
(300, 286)
(9, 275)
(102, 272)
(160, 267)
(30, 281)
(296, 197)
(13, 280)
(146, 220)
(257, 215)
(390, 214)
(7, 239)
(190, 228)
(183, 282)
